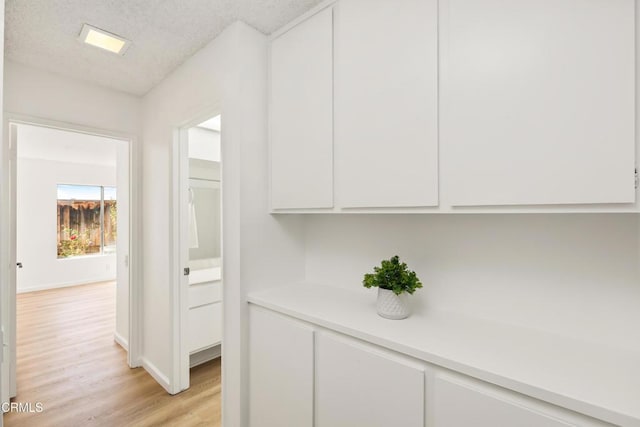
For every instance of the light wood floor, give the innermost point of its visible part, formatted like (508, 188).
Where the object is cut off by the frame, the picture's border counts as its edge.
(67, 360)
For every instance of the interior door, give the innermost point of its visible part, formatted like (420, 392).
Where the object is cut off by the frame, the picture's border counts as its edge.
(182, 212)
(124, 313)
(8, 291)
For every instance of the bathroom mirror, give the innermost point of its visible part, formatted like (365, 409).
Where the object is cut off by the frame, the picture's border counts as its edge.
(204, 219)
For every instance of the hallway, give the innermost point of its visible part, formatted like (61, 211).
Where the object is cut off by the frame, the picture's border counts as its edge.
(68, 361)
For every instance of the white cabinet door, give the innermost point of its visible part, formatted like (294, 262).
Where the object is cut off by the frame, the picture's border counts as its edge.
(386, 103)
(301, 115)
(205, 326)
(205, 293)
(538, 101)
(459, 403)
(359, 386)
(280, 371)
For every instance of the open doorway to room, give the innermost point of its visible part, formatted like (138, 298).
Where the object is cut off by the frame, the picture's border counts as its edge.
(200, 252)
(70, 296)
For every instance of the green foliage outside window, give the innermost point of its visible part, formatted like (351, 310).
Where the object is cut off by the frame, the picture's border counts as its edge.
(77, 243)
(87, 220)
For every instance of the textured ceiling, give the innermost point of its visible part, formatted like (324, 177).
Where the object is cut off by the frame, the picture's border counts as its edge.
(164, 33)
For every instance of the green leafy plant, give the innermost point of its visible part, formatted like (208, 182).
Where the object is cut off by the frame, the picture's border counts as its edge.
(76, 244)
(394, 276)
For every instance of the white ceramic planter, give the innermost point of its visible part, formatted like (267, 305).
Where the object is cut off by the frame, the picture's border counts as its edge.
(392, 306)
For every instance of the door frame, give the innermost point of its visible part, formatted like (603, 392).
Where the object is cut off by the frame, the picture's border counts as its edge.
(8, 156)
(180, 247)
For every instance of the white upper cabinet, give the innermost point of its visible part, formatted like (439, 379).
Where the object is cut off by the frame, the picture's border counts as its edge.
(537, 101)
(386, 103)
(301, 115)
(454, 103)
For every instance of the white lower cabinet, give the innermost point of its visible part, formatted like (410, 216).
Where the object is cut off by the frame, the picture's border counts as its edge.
(302, 375)
(462, 402)
(281, 371)
(205, 326)
(205, 316)
(357, 385)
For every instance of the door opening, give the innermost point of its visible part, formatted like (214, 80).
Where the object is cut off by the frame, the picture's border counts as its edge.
(200, 245)
(69, 219)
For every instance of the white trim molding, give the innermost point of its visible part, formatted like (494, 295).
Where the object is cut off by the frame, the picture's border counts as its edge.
(135, 222)
(121, 341)
(48, 286)
(156, 374)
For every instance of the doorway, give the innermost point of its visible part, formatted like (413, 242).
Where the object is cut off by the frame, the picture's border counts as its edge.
(70, 191)
(78, 174)
(199, 252)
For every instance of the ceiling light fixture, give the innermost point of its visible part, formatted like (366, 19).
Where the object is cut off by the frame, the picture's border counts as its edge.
(103, 39)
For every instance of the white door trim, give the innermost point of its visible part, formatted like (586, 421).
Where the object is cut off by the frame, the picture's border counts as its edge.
(180, 260)
(7, 263)
(179, 380)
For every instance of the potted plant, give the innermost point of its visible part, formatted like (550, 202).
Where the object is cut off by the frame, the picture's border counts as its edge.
(394, 281)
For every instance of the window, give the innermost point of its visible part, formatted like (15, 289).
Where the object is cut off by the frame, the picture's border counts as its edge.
(87, 220)
(110, 220)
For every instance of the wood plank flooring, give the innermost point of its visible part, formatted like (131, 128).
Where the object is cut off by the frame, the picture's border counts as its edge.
(68, 361)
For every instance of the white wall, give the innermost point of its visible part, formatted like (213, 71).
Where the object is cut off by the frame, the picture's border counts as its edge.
(42, 94)
(258, 250)
(204, 144)
(37, 196)
(575, 275)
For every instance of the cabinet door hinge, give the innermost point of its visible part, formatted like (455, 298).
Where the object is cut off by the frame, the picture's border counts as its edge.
(186, 271)
(636, 177)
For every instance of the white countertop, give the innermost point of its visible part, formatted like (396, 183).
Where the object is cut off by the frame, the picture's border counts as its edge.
(205, 275)
(595, 380)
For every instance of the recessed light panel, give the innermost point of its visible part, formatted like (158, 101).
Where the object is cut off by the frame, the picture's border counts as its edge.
(104, 39)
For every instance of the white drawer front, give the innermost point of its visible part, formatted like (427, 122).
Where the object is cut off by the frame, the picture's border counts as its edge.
(205, 293)
(462, 402)
(205, 326)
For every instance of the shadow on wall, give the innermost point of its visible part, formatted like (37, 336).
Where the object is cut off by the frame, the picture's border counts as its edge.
(570, 274)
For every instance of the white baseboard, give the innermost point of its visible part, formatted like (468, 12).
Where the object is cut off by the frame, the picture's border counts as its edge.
(136, 363)
(156, 374)
(47, 286)
(204, 356)
(122, 341)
